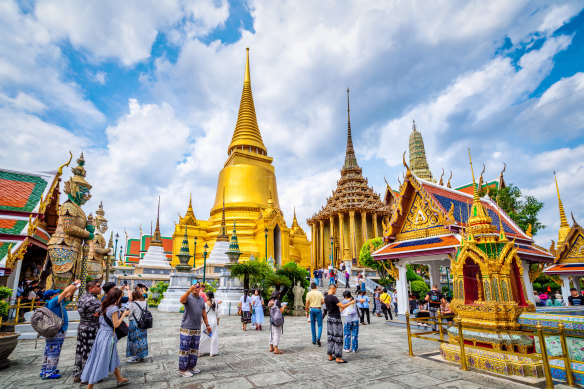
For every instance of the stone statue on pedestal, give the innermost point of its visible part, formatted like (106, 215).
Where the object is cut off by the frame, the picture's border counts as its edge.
(298, 302)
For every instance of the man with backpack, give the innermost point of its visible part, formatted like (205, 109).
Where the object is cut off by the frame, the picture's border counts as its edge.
(52, 322)
(276, 321)
(434, 298)
(89, 308)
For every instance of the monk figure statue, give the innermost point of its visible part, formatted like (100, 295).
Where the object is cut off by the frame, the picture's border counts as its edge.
(65, 247)
(298, 293)
(98, 252)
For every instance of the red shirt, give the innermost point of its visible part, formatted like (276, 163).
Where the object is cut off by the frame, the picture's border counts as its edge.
(203, 295)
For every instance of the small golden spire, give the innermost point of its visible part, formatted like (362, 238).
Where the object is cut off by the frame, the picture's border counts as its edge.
(223, 237)
(247, 77)
(449, 178)
(564, 226)
(156, 237)
(441, 183)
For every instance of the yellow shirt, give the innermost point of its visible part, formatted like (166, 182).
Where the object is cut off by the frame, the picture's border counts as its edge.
(314, 298)
(385, 298)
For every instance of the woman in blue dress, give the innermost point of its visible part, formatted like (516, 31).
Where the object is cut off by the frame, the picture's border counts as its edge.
(257, 304)
(103, 358)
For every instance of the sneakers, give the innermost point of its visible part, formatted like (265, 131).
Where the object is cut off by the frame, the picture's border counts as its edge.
(53, 376)
(318, 342)
(185, 374)
(195, 371)
(346, 350)
(132, 360)
(354, 351)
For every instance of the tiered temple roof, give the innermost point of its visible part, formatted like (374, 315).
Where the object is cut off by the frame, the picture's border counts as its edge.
(352, 192)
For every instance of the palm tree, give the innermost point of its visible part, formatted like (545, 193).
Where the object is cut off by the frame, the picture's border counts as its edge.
(278, 281)
(245, 271)
(293, 273)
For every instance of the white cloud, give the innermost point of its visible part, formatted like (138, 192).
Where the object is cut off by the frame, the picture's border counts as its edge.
(100, 77)
(23, 101)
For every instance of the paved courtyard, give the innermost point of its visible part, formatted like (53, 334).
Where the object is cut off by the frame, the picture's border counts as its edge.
(244, 362)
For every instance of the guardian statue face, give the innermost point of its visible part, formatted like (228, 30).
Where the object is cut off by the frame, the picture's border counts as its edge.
(80, 194)
(103, 226)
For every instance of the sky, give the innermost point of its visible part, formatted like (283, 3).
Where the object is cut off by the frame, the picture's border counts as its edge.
(149, 91)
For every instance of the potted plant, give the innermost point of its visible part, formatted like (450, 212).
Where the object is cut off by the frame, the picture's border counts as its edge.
(8, 340)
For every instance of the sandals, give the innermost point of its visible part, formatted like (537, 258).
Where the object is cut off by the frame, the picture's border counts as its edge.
(278, 352)
(124, 382)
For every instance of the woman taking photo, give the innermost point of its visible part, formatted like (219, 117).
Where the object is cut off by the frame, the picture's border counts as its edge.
(210, 344)
(257, 303)
(137, 348)
(245, 309)
(103, 358)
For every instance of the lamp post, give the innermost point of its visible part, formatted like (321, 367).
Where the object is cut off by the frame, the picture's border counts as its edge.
(332, 248)
(116, 249)
(447, 280)
(205, 262)
(266, 236)
(195, 253)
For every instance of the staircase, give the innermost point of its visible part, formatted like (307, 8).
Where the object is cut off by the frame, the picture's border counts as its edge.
(370, 285)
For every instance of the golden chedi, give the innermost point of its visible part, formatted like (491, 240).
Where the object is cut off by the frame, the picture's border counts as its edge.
(247, 194)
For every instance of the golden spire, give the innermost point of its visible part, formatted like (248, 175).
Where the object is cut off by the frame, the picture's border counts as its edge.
(418, 162)
(294, 221)
(350, 158)
(479, 220)
(564, 226)
(223, 237)
(247, 133)
(156, 237)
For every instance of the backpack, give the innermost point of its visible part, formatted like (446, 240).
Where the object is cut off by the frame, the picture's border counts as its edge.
(145, 321)
(276, 317)
(435, 298)
(46, 323)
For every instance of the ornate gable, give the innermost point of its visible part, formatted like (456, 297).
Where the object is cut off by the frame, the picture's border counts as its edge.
(572, 251)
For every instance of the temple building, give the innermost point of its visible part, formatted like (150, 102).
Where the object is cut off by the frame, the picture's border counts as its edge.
(429, 224)
(568, 252)
(247, 194)
(351, 216)
(29, 203)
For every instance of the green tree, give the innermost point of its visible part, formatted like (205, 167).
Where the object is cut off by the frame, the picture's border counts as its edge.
(246, 270)
(523, 210)
(419, 288)
(294, 274)
(365, 258)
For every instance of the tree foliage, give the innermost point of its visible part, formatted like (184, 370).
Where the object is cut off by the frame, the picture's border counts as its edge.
(365, 258)
(246, 270)
(523, 210)
(419, 288)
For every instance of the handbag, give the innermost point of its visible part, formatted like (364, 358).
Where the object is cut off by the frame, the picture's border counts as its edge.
(121, 330)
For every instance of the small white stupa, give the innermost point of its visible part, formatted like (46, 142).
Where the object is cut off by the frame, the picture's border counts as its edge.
(155, 256)
(218, 257)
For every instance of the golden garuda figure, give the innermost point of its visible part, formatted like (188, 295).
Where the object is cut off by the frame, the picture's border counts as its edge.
(65, 247)
(98, 251)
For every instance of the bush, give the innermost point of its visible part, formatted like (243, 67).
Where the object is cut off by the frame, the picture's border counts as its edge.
(5, 293)
(160, 287)
(412, 276)
(419, 288)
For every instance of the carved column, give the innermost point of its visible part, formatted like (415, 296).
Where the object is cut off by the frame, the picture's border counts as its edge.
(364, 226)
(322, 244)
(312, 247)
(332, 224)
(376, 233)
(352, 236)
(341, 237)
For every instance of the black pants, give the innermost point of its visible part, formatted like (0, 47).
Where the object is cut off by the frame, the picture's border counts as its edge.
(347, 284)
(363, 312)
(385, 310)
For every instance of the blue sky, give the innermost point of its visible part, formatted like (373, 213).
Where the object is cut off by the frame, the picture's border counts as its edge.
(150, 92)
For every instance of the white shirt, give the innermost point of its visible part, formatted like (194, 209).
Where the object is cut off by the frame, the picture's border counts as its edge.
(245, 306)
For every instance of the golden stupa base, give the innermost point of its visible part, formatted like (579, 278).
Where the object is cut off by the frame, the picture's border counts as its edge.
(494, 361)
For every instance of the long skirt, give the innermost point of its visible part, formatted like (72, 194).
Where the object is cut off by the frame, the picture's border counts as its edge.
(210, 345)
(86, 334)
(258, 315)
(103, 358)
(137, 342)
(52, 353)
(245, 316)
(334, 332)
(188, 352)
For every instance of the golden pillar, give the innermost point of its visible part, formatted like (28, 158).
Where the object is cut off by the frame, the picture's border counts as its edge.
(312, 247)
(364, 226)
(332, 223)
(352, 233)
(341, 237)
(322, 246)
(375, 233)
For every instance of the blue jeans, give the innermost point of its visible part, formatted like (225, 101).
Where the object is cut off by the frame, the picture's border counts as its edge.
(351, 331)
(315, 318)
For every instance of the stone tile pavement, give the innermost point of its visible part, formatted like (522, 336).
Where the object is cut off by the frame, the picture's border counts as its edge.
(244, 362)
